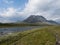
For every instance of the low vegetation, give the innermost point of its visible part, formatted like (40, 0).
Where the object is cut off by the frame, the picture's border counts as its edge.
(41, 36)
(2, 25)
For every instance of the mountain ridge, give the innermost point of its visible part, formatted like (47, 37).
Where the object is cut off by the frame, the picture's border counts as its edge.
(37, 18)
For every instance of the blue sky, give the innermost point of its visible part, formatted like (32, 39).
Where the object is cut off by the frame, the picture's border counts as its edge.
(15, 10)
(12, 3)
(7, 5)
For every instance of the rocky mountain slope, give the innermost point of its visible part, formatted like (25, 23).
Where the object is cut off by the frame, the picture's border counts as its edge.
(40, 19)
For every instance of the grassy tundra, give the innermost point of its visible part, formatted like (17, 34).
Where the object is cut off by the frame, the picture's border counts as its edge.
(41, 36)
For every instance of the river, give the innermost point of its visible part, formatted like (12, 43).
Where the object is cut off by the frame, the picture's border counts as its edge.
(16, 29)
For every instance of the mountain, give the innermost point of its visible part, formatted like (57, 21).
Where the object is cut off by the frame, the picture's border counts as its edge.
(58, 20)
(34, 19)
(52, 22)
(39, 19)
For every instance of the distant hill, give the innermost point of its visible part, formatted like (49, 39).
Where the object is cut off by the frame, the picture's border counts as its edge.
(39, 19)
(52, 22)
(58, 20)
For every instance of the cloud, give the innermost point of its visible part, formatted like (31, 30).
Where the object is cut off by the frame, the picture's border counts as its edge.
(10, 15)
(47, 8)
(8, 1)
(10, 12)
(50, 9)
(35, 6)
(5, 21)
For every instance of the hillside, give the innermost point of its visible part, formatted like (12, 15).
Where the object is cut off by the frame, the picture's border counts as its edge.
(58, 20)
(41, 36)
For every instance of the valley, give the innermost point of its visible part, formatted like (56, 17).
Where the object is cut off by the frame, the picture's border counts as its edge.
(35, 30)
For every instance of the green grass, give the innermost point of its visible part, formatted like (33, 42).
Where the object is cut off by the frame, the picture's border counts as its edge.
(37, 38)
(3, 25)
(41, 36)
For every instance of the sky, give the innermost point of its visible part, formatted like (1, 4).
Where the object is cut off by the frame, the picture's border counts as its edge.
(17, 10)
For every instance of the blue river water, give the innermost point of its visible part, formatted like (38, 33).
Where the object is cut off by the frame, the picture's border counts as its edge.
(16, 29)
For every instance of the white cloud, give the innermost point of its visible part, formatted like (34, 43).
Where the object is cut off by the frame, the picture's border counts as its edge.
(47, 8)
(33, 6)
(10, 15)
(6, 21)
(8, 1)
(9, 12)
